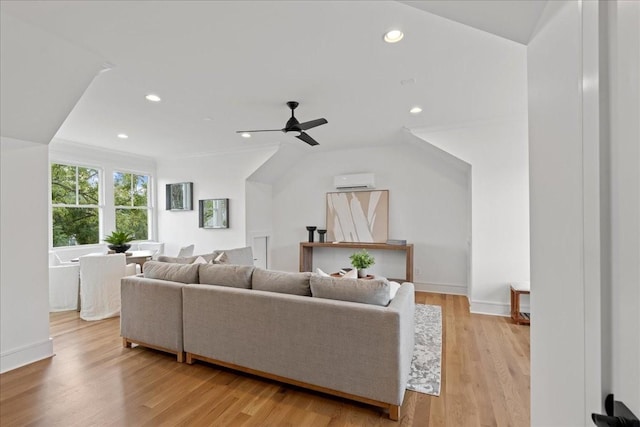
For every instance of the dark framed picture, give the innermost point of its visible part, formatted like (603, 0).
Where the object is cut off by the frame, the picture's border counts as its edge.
(214, 213)
(180, 196)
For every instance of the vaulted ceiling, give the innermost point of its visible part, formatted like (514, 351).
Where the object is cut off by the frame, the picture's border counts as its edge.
(225, 66)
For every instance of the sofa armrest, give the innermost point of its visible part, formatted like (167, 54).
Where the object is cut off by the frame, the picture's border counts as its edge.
(151, 312)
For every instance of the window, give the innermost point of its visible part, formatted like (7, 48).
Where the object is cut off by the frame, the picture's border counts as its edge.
(131, 200)
(75, 197)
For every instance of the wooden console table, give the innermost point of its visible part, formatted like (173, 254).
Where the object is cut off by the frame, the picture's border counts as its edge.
(306, 253)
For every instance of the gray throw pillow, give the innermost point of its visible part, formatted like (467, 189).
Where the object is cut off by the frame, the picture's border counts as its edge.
(374, 291)
(239, 256)
(282, 282)
(235, 276)
(183, 273)
(177, 260)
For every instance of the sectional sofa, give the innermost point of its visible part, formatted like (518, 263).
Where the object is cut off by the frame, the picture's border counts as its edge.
(345, 337)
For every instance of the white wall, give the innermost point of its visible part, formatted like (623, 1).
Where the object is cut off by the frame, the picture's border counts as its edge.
(497, 152)
(259, 211)
(559, 237)
(24, 287)
(214, 177)
(625, 201)
(428, 206)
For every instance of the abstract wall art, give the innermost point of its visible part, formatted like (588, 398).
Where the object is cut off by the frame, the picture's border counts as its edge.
(358, 216)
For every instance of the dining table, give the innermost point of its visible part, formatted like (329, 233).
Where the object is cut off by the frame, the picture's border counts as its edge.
(138, 257)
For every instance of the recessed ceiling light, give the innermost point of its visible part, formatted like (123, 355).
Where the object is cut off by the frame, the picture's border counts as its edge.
(393, 36)
(153, 98)
(245, 135)
(123, 136)
(416, 110)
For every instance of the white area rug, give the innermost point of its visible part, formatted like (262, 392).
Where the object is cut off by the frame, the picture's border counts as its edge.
(427, 353)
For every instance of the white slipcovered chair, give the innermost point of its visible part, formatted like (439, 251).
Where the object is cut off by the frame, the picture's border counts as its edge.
(155, 247)
(186, 251)
(64, 281)
(100, 285)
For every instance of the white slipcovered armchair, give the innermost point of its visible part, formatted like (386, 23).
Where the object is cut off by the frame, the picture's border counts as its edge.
(100, 285)
(155, 247)
(64, 281)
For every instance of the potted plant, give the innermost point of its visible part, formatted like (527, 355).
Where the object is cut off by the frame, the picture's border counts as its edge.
(119, 241)
(362, 260)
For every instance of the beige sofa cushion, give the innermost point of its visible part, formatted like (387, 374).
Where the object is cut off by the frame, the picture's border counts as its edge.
(281, 281)
(235, 276)
(374, 291)
(183, 273)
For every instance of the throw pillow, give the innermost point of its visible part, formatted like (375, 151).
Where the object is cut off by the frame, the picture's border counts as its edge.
(220, 259)
(322, 273)
(235, 276)
(351, 274)
(393, 289)
(281, 281)
(183, 273)
(199, 260)
(239, 256)
(374, 291)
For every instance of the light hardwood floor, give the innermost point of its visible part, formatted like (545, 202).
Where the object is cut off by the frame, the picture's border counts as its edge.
(93, 380)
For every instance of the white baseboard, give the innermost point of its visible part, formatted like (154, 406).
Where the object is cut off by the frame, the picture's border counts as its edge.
(437, 288)
(25, 355)
(490, 308)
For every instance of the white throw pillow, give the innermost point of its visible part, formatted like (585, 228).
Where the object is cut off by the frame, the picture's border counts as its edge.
(199, 260)
(322, 273)
(220, 259)
(351, 274)
(393, 288)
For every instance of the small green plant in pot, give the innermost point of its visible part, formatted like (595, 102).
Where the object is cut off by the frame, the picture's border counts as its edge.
(362, 260)
(119, 241)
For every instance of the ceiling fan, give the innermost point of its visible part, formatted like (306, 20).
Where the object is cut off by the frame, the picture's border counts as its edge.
(293, 125)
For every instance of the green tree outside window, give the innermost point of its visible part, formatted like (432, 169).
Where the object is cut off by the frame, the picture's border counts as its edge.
(131, 198)
(75, 205)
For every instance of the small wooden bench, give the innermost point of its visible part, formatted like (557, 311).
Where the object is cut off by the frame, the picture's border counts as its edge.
(517, 289)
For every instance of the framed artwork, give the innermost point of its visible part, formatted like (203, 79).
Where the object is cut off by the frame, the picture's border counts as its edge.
(358, 216)
(180, 196)
(214, 213)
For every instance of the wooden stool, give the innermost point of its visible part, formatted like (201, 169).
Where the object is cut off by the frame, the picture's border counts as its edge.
(518, 289)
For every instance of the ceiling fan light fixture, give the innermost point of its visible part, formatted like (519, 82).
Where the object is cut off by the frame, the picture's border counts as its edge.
(416, 110)
(245, 135)
(393, 36)
(153, 97)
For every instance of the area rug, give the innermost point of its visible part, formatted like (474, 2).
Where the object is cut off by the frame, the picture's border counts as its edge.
(427, 353)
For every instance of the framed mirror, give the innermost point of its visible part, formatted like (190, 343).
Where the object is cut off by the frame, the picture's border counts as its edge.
(214, 213)
(179, 196)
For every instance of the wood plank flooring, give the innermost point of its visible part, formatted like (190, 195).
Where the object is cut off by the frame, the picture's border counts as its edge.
(93, 380)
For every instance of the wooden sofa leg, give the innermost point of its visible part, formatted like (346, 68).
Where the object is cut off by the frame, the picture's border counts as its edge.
(394, 412)
(180, 356)
(126, 343)
(189, 359)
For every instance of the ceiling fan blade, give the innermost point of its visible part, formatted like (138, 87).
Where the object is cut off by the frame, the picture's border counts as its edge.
(260, 130)
(306, 138)
(312, 123)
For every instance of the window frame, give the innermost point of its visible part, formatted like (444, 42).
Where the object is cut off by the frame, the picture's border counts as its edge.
(150, 205)
(99, 206)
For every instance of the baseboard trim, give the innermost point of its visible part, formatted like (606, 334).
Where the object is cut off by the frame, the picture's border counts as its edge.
(21, 356)
(441, 288)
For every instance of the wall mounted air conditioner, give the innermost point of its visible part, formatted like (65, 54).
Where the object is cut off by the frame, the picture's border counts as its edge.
(357, 181)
